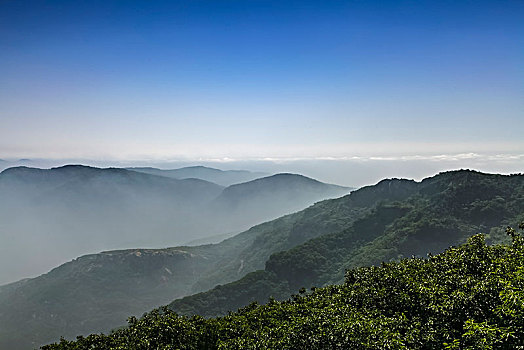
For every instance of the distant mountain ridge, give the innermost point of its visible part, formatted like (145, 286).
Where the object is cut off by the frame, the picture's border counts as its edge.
(293, 184)
(248, 201)
(220, 177)
(83, 209)
(77, 209)
(69, 176)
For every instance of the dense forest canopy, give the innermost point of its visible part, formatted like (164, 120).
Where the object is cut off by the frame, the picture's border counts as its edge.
(469, 297)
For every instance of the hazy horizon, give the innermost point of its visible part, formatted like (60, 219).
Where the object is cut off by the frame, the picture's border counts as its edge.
(248, 81)
(352, 172)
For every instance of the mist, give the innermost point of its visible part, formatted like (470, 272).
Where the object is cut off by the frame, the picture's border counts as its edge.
(44, 226)
(353, 171)
(49, 217)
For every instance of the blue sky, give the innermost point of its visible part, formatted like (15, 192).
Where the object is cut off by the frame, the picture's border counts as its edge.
(241, 80)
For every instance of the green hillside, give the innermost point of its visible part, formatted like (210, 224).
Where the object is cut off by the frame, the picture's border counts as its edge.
(469, 297)
(404, 218)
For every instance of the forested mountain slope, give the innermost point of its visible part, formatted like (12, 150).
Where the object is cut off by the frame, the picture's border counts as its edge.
(470, 297)
(409, 219)
(98, 291)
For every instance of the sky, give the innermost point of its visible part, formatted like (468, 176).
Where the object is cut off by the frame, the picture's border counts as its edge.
(378, 88)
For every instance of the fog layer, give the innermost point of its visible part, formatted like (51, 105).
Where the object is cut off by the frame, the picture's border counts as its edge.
(48, 217)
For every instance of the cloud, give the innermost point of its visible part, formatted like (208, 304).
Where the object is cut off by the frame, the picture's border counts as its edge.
(457, 157)
(449, 157)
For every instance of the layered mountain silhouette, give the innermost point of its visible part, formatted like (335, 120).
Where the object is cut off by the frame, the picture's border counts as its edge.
(247, 202)
(53, 215)
(313, 247)
(221, 177)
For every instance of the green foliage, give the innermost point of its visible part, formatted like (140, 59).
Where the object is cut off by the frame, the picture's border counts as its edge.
(469, 297)
(258, 285)
(385, 222)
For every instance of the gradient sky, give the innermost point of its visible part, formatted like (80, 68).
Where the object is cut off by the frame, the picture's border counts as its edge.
(247, 80)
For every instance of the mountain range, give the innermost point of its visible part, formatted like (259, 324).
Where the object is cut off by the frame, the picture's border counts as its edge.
(397, 218)
(313, 247)
(49, 216)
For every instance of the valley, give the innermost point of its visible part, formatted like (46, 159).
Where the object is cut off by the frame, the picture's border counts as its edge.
(49, 216)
